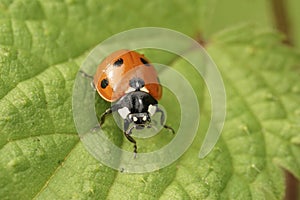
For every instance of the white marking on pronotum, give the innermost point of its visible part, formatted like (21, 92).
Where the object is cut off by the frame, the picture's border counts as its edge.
(131, 89)
(152, 109)
(135, 119)
(123, 112)
(144, 89)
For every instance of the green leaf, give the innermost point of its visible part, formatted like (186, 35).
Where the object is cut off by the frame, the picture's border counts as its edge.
(262, 84)
(42, 45)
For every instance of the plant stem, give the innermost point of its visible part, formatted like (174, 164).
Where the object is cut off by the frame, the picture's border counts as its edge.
(291, 192)
(282, 24)
(281, 19)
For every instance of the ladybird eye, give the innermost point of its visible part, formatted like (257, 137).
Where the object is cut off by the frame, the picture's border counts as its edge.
(118, 63)
(145, 62)
(145, 118)
(104, 83)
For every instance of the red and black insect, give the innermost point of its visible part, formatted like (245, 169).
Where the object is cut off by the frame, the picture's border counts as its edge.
(130, 80)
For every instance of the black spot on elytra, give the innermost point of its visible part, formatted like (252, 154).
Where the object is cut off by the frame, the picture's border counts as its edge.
(118, 62)
(104, 83)
(145, 62)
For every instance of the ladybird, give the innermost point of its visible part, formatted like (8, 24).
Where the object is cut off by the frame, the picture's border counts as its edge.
(128, 79)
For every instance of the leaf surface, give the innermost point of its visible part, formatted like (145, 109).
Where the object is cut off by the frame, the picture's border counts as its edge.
(42, 45)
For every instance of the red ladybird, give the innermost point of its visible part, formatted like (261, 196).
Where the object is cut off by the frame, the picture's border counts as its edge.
(128, 79)
(115, 71)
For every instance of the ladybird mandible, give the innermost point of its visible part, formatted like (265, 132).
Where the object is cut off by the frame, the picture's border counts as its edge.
(130, 80)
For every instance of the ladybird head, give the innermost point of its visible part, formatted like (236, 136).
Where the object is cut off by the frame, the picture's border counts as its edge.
(141, 120)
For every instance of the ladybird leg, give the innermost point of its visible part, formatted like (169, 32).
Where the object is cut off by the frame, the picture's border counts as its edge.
(102, 117)
(93, 86)
(132, 141)
(162, 119)
(127, 133)
(108, 111)
(85, 75)
(169, 128)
